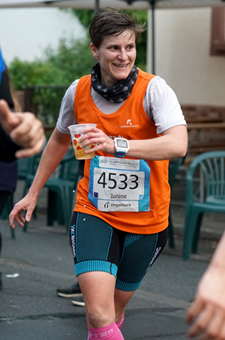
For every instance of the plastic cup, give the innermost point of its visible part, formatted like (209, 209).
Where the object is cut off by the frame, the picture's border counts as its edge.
(75, 131)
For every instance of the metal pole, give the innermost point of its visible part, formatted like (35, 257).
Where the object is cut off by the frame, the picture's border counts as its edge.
(96, 6)
(152, 2)
(96, 9)
(149, 44)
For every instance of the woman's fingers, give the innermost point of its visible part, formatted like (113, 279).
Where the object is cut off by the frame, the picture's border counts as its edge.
(26, 204)
(97, 137)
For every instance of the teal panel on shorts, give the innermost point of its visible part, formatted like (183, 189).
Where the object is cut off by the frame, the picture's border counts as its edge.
(93, 242)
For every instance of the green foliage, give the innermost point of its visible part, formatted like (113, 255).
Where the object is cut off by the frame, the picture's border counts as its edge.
(70, 61)
(25, 73)
(73, 58)
(141, 46)
(84, 15)
(46, 101)
(49, 78)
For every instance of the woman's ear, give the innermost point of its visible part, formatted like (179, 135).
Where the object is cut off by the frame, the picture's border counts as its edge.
(94, 51)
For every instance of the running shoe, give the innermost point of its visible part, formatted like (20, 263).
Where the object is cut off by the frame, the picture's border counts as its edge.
(78, 301)
(72, 291)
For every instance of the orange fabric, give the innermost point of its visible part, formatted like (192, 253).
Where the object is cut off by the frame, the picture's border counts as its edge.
(131, 122)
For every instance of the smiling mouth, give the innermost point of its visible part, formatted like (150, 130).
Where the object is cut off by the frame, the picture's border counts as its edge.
(121, 65)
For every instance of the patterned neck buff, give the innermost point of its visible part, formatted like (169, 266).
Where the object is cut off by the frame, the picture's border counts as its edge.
(118, 92)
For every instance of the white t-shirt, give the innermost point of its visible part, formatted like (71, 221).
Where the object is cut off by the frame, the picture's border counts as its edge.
(160, 104)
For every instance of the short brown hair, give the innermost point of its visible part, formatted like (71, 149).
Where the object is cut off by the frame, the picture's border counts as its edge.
(109, 21)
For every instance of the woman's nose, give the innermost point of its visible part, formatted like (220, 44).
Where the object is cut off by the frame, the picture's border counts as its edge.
(122, 55)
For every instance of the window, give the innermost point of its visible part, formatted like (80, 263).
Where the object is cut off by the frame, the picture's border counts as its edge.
(218, 32)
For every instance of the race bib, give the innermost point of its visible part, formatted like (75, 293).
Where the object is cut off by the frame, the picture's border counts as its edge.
(119, 184)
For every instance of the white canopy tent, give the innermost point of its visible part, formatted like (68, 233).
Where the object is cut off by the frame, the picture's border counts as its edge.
(123, 4)
(149, 5)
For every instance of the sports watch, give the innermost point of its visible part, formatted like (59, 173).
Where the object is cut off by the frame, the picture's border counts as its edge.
(121, 146)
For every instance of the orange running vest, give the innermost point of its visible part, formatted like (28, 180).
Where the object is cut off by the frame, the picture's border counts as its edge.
(130, 122)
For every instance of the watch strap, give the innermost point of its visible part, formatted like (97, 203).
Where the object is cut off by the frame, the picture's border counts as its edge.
(120, 154)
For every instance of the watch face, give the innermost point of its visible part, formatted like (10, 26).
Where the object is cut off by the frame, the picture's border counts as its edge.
(122, 143)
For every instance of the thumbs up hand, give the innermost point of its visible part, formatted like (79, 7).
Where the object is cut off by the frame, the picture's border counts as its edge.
(24, 129)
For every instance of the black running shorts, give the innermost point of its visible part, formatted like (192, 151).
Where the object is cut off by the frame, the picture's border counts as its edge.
(97, 246)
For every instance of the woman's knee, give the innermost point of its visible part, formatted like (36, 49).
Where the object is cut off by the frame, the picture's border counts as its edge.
(98, 292)
(99, 315)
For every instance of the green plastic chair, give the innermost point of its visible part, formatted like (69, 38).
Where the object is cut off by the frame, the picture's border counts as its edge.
(61, 191)
(205, 192)
(28, 166)
(61, 186)
(174, 165)
(7, 209)
(25, 166)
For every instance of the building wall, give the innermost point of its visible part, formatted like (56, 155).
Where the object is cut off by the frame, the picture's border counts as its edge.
(183, 56)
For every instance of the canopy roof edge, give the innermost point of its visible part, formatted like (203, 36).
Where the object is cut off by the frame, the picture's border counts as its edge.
(123, 4)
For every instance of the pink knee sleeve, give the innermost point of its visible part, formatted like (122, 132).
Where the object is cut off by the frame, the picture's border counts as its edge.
(111, 332)
(120, 323)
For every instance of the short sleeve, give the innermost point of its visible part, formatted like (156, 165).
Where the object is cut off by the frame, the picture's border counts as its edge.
(162, 106)
(66, 113)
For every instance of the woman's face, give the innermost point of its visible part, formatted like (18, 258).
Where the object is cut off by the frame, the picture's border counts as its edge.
(116, 56)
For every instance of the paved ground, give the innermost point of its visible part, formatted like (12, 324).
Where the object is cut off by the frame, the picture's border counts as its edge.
(30, 308)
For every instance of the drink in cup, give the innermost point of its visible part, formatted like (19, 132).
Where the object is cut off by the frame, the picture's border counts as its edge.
(75, 131)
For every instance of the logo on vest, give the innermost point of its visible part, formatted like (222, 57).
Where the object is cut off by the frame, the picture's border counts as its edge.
(129, 124)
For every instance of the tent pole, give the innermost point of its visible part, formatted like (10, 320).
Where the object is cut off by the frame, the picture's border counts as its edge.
(152, 3)
(96, 9)
(96, 6)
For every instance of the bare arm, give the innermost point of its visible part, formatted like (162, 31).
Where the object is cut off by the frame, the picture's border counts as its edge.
(172, 144)
(52, 156)
(207, 312)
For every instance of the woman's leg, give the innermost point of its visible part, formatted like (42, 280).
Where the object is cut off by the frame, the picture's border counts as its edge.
(97, 249)
(98, 291)
(121, 299)
(141, 251)
(104, 304)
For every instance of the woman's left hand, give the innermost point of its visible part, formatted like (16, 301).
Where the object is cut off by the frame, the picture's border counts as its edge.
(93, 135)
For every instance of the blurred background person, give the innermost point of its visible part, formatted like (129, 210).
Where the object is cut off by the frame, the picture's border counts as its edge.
(207, 312)
(21, 135)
